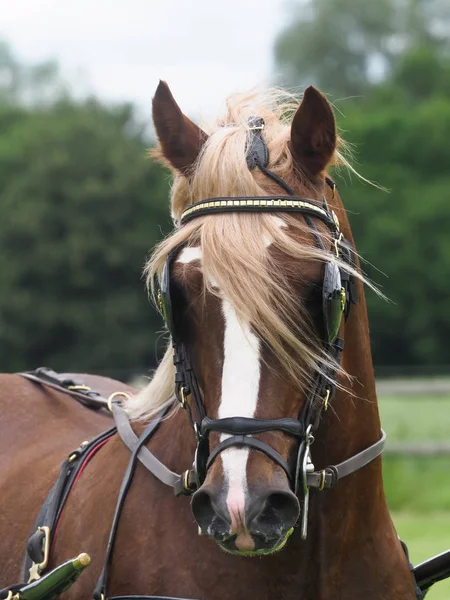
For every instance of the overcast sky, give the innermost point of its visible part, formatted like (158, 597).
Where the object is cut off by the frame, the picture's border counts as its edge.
(119, 49)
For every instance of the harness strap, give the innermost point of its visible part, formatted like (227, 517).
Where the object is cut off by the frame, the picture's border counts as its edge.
(100, 589)
(149, 460)
(327, 478)
(45, 526)
(62, 383)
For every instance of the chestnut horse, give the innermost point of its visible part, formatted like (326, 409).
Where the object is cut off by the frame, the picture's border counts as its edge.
(246, 296)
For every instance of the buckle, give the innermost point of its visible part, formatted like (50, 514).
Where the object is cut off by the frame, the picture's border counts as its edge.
(37, 568)
(326, 399)
(337, 241)
(307, 467)
(183, 394)
(189, 482)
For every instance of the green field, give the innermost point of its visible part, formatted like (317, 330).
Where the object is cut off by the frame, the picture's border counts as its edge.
(418, 489)
(426, 535)
(417, 484)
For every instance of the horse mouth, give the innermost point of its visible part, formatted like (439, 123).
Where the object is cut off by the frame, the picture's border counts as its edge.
(258, 546)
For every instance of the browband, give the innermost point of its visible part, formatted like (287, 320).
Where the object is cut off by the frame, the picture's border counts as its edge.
(304, 206)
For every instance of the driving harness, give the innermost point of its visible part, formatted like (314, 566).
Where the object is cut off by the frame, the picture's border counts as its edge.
(338, 294)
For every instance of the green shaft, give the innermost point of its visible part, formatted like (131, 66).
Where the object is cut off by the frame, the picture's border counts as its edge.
(56, 582)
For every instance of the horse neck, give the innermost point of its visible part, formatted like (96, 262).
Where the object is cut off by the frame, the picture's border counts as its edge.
(349, 526)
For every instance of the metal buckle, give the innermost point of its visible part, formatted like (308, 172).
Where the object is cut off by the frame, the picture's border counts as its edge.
(343, 299)
(307, 467)
(79, 388)
(116, 395)
(337, 241)
(37, 568)
(322, 480)
(257, 127)
(335, 219)
(326, 398)
(183, 395)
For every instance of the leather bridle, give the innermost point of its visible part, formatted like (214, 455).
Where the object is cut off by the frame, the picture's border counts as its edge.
(301, 474)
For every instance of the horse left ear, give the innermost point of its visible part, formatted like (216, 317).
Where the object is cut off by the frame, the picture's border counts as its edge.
(181, 140)
(313, 132)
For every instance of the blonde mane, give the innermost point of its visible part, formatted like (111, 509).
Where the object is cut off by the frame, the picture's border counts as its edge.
(234, 246)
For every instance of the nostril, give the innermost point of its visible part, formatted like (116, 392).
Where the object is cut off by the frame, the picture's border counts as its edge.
(202, 507)
(285, 505)
(280, 511)
(207, 514)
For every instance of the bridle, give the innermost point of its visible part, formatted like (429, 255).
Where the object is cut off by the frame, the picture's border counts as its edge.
(338, 294)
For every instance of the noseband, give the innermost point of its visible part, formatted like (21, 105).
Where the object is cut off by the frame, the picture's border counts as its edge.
(338, 294)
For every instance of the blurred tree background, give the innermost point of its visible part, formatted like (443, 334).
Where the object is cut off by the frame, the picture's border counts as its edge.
(386, 67)
(81, 206)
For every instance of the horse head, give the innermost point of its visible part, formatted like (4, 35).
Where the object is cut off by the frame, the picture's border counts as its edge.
(254, 284)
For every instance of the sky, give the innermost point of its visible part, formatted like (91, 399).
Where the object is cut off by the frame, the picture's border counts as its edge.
(119, 49)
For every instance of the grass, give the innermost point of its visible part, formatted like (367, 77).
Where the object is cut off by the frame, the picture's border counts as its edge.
(426, 536)
(416, 418)
(416, 484)
(418, 489)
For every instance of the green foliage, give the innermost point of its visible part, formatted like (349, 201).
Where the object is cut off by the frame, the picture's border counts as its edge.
(347, 46)
(80, 208)
(405, 233)
(400, 125)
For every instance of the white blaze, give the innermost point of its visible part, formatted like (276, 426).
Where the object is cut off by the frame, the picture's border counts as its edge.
(240, 386)
(189, 254)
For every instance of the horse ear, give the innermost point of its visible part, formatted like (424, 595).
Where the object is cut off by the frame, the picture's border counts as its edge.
(313, 132)
(181, 140)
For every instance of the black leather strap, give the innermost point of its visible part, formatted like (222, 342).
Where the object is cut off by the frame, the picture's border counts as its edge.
(257, 152)
(140, 597)
(100, 589)
(61, 382)
(56, 499)
(258, 204)
(243, 440)
(247, 426)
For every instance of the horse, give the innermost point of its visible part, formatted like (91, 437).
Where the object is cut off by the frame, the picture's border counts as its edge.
(244, 283)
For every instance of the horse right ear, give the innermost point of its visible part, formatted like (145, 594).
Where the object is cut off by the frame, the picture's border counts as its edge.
(181, 140)
(313, 133)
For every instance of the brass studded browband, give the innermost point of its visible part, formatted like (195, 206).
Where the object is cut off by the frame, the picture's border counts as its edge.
(259, 204)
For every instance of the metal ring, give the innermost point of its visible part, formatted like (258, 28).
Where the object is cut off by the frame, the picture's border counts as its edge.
(186, 485)
(116, 395)
(322, 480)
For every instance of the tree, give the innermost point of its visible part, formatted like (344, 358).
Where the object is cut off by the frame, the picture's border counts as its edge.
(347, 46)
(81, 206)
